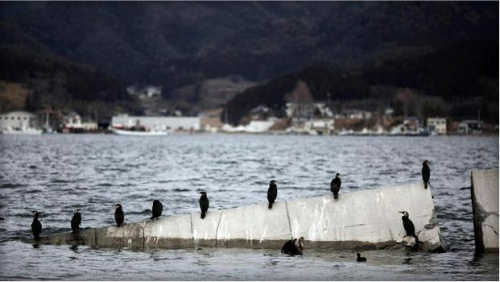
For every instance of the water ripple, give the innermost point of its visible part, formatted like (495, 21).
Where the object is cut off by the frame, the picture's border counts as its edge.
(54, 174)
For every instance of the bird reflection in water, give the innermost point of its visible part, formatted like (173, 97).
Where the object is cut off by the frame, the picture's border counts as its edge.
(74, 248)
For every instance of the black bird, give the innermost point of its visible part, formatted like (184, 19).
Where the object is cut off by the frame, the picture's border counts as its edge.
(36, 226)
(157, 209)
(426, 173)
(293, 247)
(410, 228)
(204, 204)
(76, 221)
(272, 193)
(408, 224)
(335, 186)
(119, 215)
(360, 258)
(300, 245)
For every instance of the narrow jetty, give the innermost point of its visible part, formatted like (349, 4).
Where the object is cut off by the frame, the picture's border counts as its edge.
(484, 194)
(368, 219)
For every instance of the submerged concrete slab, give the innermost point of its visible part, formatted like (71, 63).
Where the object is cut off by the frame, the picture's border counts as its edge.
(484, 194)
(258, 226)
(366, 218)
(357, 220)
(83, 237)
(127, 235)
(205, 230)
(170, 232)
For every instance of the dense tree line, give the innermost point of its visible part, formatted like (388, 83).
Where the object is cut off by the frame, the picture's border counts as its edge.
(58, 82)
(464, 74)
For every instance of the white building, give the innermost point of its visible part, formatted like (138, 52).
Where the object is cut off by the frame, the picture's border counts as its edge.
(158, 123)
(319, 126)
(470, 127)
(358, 114)
(437, 125)
(307, 110)
(18, 120)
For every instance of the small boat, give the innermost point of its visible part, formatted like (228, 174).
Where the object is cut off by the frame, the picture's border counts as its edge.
(138, 132)
(22, 131)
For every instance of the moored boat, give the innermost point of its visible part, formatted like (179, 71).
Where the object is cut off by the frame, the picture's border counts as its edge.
(138, 132)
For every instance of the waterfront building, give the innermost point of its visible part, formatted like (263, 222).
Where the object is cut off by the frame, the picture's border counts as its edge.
(470, 127)
(436, 125)
(157, 123)
(319, 126)
(18, 120)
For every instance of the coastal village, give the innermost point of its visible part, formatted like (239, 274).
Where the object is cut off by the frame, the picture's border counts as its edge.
(314, 118)
(298, 117)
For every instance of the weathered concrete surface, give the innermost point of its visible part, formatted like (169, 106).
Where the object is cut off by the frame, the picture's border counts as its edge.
(364, 219)
(84, 237)
(128, 235)
(170, 232)
(484, 192)
(367, 218)
(205, 230)
(262, 226)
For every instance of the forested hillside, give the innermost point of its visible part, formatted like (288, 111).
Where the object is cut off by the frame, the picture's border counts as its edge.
(464, 75)
(93, 50)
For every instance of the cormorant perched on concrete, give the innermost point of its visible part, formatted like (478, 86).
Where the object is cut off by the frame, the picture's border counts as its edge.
(426, 173)
(409, 228)
(76, 221)
(36, 226)
(157, 209)
(119, 215)
(360, 258)
(204, 204)
(272, 193)
(293, 247)
(335, 186)
(407, 224)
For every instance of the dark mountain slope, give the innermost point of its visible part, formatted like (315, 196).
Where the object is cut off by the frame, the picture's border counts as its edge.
(56, 80)
(465, 74)
(161, 42)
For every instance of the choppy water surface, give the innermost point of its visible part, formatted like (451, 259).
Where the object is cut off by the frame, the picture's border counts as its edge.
(53, 174)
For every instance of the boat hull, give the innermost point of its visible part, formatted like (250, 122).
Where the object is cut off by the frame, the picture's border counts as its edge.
(139, 133)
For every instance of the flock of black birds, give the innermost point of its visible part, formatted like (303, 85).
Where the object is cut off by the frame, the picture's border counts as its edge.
(292, 247)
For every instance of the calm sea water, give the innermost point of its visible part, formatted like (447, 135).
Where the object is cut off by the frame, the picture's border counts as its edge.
(55, 173)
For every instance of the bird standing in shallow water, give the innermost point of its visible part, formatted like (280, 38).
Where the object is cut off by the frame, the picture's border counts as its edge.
(157, 209)
(76, 221)
(335, 186)
(300, 245)
(204, 204)
(272, 193)
(426, 173)
(293, 247)
(36, 226)
(360, 258)
(119, 215)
